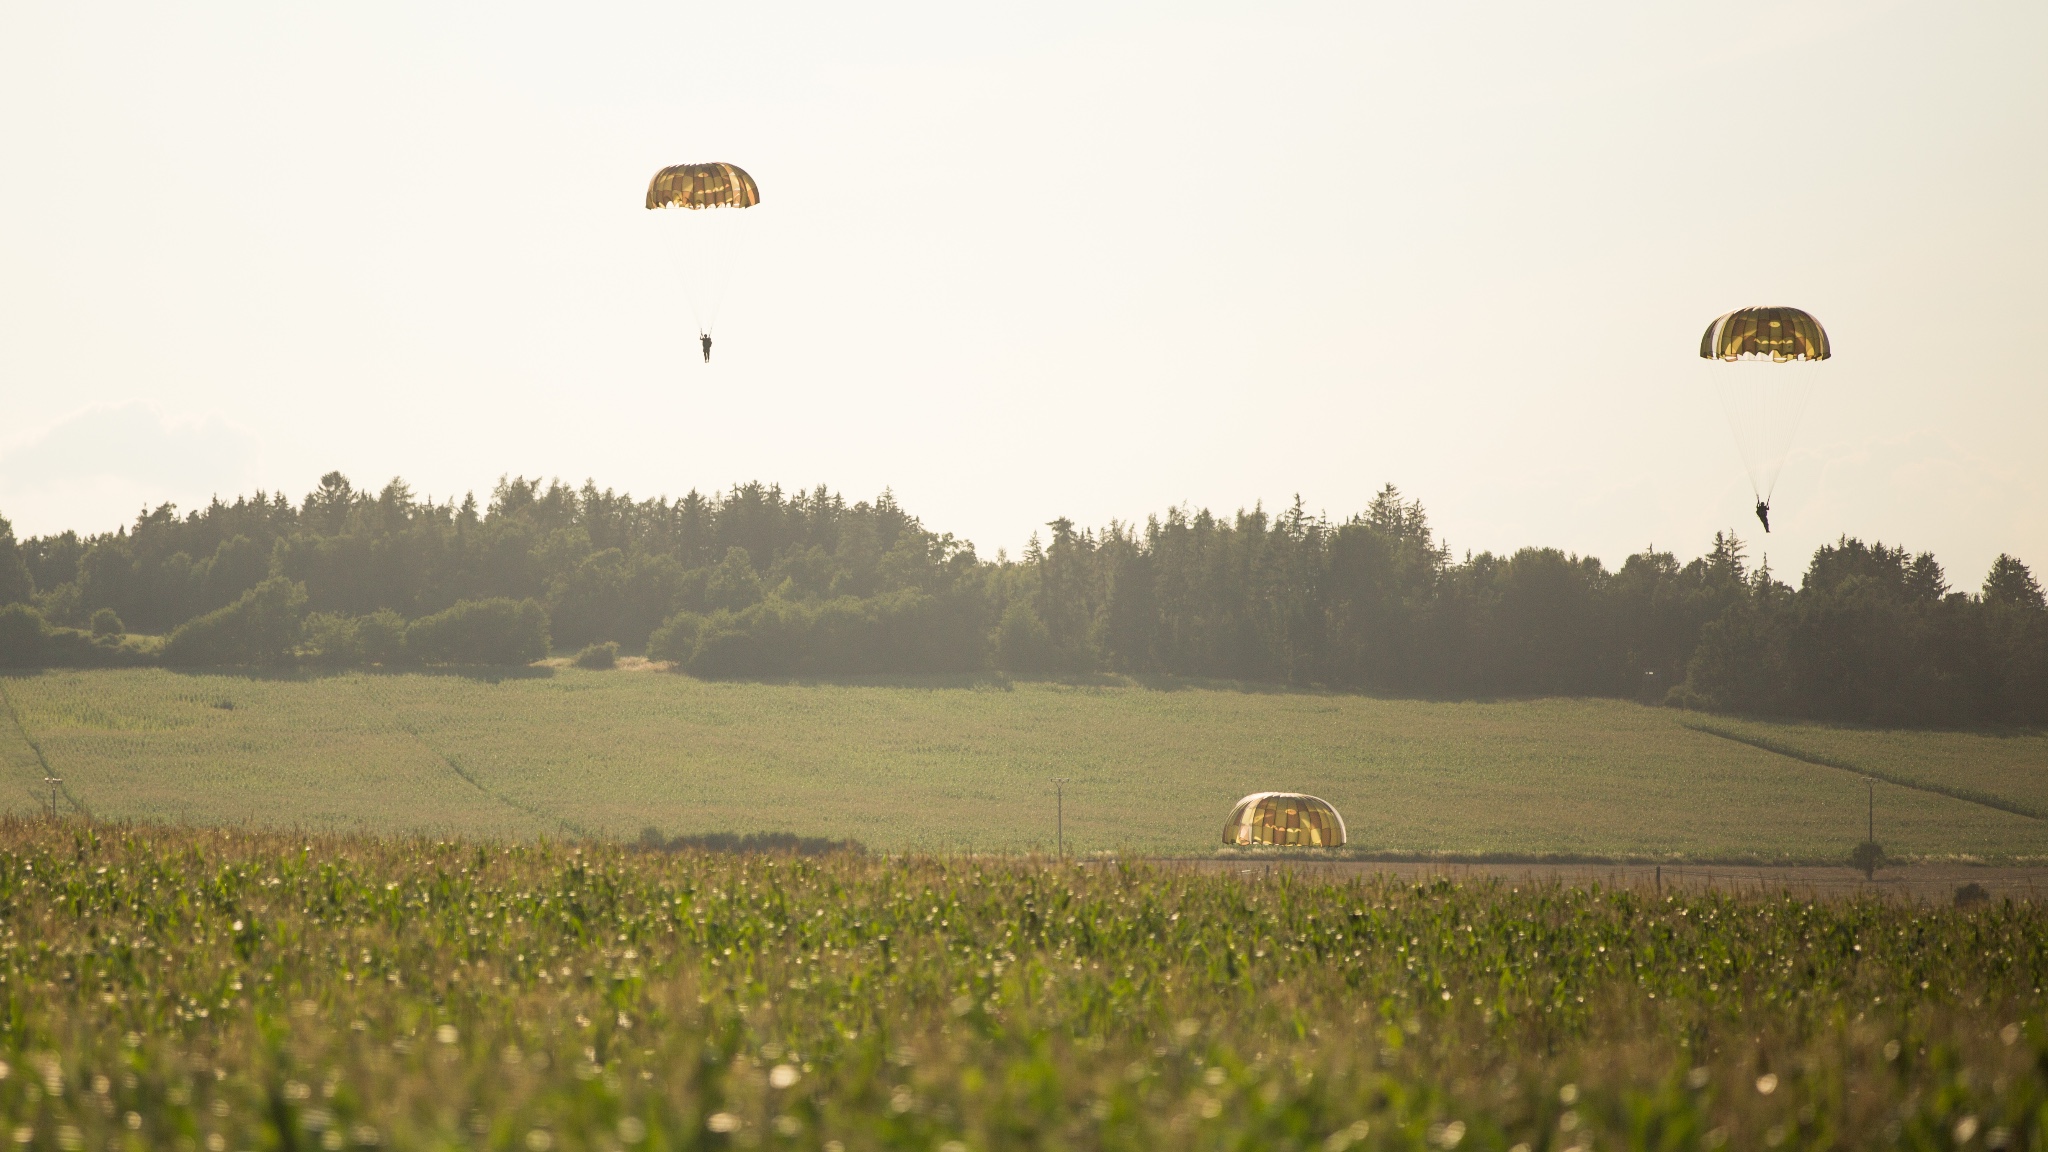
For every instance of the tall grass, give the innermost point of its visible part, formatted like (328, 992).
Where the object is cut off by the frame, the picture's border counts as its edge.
(176, 988)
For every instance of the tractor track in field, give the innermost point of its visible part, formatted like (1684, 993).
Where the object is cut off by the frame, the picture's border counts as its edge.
(1966, 795)
(398, 720)
(63, 788)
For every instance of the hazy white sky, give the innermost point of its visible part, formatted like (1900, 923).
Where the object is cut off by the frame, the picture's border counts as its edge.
(1024, 261)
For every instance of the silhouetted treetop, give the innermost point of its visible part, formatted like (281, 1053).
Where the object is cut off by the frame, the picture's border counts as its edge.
(759, 581)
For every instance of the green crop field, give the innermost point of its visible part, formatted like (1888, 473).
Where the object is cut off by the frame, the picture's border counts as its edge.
(231, 991)
(959, 765)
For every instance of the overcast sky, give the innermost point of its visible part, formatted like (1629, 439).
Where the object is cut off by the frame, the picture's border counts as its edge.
(1026, 261)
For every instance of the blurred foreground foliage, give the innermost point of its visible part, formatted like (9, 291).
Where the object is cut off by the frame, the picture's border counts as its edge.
(170, 988)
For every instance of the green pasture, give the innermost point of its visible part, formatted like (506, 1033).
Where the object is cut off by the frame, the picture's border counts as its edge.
(966, 765)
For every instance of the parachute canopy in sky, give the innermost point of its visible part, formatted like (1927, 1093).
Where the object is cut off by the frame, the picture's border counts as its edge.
(1289, 818)
(1764, 404)
(706, 243)
(1755, 333)
(702, 186)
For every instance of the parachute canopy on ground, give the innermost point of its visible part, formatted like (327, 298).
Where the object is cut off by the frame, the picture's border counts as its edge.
(702, 186)
(1755, 333)
(1285, 818)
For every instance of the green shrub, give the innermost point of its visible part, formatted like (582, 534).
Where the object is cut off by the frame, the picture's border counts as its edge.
(380, 637)
(676, 639)
(340, 640)
(330, 638)
(261, 627)
(599, 656)
(766, 639)
(21, 636)
(106, 623)
(497, 631)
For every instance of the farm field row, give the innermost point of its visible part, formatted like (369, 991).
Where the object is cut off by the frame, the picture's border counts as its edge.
(946, 766)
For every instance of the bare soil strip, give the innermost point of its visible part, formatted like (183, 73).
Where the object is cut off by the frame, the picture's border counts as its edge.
(1923, 883)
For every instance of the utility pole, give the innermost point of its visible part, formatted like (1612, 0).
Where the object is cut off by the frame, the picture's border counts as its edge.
(1059, 792)
(1871, 835)
(53, 782)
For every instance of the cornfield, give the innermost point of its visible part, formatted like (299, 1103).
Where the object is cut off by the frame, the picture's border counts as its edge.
(188, 989)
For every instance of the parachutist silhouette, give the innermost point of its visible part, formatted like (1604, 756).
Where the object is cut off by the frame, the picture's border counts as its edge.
(705, 339)
(1763, 513)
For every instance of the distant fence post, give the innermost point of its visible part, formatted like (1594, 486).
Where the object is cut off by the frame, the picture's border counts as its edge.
(1059, 794)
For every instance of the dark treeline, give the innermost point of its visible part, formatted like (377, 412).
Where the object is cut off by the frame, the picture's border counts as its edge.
(759, 582)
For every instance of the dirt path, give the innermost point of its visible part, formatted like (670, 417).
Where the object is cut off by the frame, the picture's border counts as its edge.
(1926, 883)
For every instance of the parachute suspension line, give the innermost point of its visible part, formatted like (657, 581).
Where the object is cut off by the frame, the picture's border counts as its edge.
(1729, 405)
(706, 199)
(1764, 401)
(1739, 410)
(1800, 400)
(709, 249)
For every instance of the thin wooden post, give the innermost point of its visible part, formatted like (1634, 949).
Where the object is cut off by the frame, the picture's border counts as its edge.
(1059, 792)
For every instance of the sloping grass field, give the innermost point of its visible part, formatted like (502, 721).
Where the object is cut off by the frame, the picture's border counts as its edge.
(966, 765)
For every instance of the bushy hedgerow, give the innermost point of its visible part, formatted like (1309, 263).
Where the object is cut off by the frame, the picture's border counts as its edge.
(900, 632)
(28, 641)
(261, 627)
(21, 636)
(599, 656)
(495, 631)
(676, 639)
(340, 640)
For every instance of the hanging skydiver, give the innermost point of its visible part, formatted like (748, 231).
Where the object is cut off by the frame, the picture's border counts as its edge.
(707, 194)
(1763, 414)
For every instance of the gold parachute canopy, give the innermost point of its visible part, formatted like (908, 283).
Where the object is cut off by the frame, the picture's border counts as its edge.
(1288, 818)
(702, 186)
(1754, 333)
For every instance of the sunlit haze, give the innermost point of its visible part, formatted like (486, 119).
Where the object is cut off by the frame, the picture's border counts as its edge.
(1019, 262)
